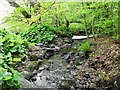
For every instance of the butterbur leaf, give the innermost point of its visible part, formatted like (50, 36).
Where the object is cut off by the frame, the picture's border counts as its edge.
(21, 51)
(1, 56)
(11, 44)
(16, 59)
(16, 75)
(8, 76)
(1, 61)
(8, 55)
(13, 50)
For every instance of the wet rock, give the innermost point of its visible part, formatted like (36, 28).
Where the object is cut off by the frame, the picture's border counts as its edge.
(52, 46)
(41, 68)
(49, 50)
(39, 44)
(76, 57)
(97, 79)
(81, 62)
(33, 79)
(68, 66)
(50, 61)
(77, 54)
(66, 46)
(66, 41)
(72, 88)
(66, 57)
(34, 65)
(53, 85)
(60, 65)
(46, 67)
(33, 48)
(39, 61)
(24, 83)
(87, 75)
(57, 48)
(62, 78)
(26, 74)
(92, 86)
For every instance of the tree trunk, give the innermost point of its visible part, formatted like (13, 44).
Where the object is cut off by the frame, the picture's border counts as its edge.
(24, 13)
(85, 26)
(93, 32)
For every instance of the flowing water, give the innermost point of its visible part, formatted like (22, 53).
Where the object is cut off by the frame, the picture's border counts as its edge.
(58, 76)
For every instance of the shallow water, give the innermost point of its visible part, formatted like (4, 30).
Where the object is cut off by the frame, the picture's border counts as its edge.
(58, 76)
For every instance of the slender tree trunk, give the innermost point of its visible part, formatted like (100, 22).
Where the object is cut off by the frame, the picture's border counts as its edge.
(85, 26)
(93, 32)
(24, 13)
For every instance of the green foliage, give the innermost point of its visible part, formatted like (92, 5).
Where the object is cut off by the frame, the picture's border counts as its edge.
(116, 38)
(8, 76)
(57, 14)
(39, 33)
(63, 31)
(10, 45)
(10, 42)
(84, 47)
(76, 26)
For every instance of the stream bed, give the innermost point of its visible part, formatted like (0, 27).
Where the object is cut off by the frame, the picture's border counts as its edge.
(57, 76)
(58, 65)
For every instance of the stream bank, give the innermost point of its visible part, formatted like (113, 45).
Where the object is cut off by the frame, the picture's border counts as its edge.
(61, 65)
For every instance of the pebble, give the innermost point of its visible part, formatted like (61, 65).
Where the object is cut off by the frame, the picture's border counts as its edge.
(26, 74)
(39, 44)
(39, 61)
(92, 85)
(87, 75)
(97, 79)
(33, 79)
(68, 66)
(50, 61)
(81, 62)
(62, 78)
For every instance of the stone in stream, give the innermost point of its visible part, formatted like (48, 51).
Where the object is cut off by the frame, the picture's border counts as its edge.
(39, 61)
(93, 86)
(67, 56)
(29, 75)
(40, 69)
(66, 45)
(24, 83)
(36, 54)
(26, 74)
(68, 66)
(39, 44)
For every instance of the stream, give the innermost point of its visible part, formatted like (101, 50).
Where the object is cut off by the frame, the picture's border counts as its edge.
(57, 76)
(60, 62)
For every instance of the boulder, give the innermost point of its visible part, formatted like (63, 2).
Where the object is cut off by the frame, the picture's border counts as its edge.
(24, 83)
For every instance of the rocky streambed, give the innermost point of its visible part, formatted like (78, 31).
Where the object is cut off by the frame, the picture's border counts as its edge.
(57, 65)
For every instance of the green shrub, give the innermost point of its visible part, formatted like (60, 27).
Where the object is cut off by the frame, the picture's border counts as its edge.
(12, 43)
(8, 76)
(84, 47)
(63, 31)
(116, 38)
(39, 33)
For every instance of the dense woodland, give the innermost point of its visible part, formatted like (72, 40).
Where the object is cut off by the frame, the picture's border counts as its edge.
(41, 22)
